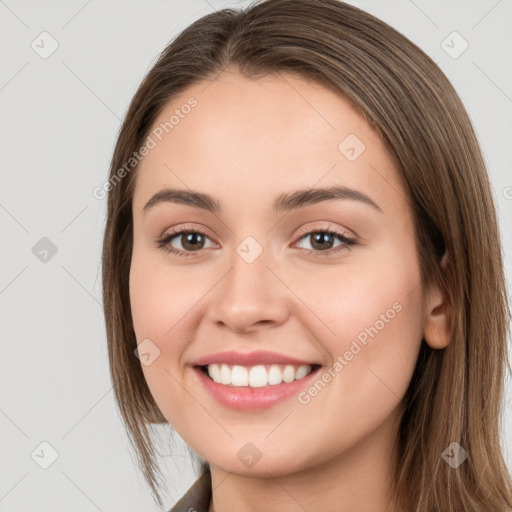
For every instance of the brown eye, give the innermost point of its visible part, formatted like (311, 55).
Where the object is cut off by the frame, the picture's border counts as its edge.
(190, 241)
(321, 241)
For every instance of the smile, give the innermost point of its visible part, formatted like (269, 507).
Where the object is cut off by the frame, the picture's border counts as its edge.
(257, 376)
(253, 380)
(254, 387)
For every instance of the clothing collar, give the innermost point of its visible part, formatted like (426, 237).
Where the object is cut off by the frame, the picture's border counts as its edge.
(198, 496)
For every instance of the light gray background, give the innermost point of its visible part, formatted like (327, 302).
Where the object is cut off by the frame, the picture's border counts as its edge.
(59, 117)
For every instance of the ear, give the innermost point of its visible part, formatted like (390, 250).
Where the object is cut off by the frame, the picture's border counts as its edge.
(436, 328)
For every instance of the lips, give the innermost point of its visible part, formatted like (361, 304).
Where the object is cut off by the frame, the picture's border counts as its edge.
(253, 380)
(254, 369)
(252, 359)
(252, 398)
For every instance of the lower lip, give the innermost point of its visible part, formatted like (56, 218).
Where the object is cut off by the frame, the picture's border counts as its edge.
(247, 398)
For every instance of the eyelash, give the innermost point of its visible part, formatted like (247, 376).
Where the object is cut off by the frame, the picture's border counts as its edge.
(347, 242)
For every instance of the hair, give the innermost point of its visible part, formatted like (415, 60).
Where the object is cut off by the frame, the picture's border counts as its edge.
(456, 393)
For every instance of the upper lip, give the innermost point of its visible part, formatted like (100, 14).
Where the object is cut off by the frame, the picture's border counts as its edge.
(250, 359)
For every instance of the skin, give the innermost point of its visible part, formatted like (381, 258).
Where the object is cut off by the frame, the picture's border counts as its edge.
(246, 142)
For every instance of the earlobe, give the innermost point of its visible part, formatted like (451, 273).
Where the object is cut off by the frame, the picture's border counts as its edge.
(437, 326)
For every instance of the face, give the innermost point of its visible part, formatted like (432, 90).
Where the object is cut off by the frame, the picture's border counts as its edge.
(305, 307)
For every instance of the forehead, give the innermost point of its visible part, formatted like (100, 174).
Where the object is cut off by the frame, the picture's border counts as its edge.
(236, 135)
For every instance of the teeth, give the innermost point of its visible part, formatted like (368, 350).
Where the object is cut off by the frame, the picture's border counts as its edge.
(239, 375)
(275, 375)
(225, 374)
(256, 376)
(301, 372)
(289, 374)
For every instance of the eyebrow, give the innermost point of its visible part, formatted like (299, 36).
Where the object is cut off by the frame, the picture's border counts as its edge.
(284, 202)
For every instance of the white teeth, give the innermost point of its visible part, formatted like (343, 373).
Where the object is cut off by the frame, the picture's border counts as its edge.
(256, 376)
(225, 374)
(289, 374)
(239, 376)
(275, 375)
(215, 373)
(301, 372)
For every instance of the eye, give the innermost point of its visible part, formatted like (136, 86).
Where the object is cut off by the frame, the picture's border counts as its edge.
(321, 242)
(191, 241)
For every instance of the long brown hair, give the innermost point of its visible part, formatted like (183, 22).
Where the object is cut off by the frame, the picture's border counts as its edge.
(456, 394)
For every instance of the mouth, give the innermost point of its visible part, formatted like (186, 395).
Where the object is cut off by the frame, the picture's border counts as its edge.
(257, 376)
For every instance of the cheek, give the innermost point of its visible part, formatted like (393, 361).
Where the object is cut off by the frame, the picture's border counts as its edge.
(159, 303)
(374, 351)
(364, 299)
(155, 307)
(167, 306)
(160, 299)
(375, 316)
(368, 315)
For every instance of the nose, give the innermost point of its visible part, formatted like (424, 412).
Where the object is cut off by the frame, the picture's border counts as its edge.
(249, 297)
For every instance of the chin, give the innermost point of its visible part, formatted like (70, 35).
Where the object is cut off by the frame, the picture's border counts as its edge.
(250, 462)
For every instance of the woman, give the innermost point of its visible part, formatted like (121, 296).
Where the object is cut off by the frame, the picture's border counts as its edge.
(361, 371)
